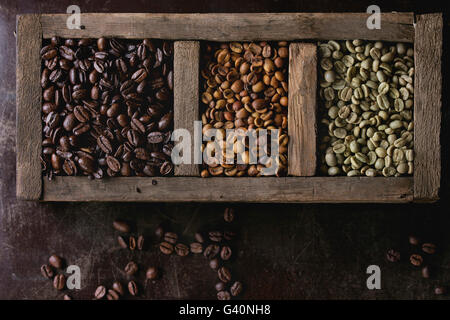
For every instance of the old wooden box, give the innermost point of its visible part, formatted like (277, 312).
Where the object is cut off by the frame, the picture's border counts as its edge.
(425, 31)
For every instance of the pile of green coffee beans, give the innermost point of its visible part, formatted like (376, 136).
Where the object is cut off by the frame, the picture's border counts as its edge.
(366, 96)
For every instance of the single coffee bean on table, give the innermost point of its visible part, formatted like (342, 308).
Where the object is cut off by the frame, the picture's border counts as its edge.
(236, 289)
(215, 236)
(152, 273)
(244, 86)
(47, 271)
(429, 248)
(214, 263)
(121, 226)
(199, 237)
(59, 282)
(170, 237)
(225, 253)
(122, 243)
(393, 255)
(413, 240)
(140, 243)
(440, 290)
(211, 251)
(416, 259)
(133, 288)
(426, 272)
(166, 248)
(55, 261)
(196, 247)
(117, 286)
(228, 215)
(104, 102)
(132, 243)
(112, 295)
(224, 274)
(366, 94)
(220, 286)
(181, 249)
(67, 297)
(131, 268)
(100, 292)
(223, 295)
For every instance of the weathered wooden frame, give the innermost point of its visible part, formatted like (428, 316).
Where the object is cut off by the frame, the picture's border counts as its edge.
(187, 30)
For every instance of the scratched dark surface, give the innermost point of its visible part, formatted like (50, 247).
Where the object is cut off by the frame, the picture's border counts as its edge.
(283, 251)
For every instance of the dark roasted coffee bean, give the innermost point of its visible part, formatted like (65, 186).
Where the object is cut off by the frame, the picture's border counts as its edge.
(166, 248)
(170, 237)
(47, 271)
(429, 248)
(224, 274)
(131, 268)
(220, 286)
(152, 273)
(426, 272)
(122, 242)
(81, 114)
(104, 144)
(228, 215)
(100, 292)
(236, 289)
(211, 251)
(133, 288)
(59, 282)
(140, 242)
(117, 287)
(112, 295)
(155, 137)
(70, 167)
(196, 247)
(440, 291)
(215, 236)
(67, 297)
(413, 240)
(166, 168)
(55, 261)
(181, 249)
(223, 295)
(392, 255)
(225, 253)
(132, 241)
(159, 232)
(198, 236)
(121, 226)
(416, 259)
(214, 263)
(113, 164)
(229, 235)
(86, 164)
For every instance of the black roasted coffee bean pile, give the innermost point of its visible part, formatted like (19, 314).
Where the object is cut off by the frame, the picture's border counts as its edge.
(107, 107)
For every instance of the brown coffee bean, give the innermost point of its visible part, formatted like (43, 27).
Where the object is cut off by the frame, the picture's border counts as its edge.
(113, 164)
(429, 248)
(112, 295)
(67, 297)
(211, 251)
(220, 286)
(215, 236)
(228, 215)
(440, 291)
(133, 288)
(100, 292)
(223, 295)
(196, 247)
(132, 242)
(170, 237)
(224, 274)
(122, 242)
(198, 236)
(121, 226)
(416, 259)
(426, 272)
(59, 282)
(159, 232)
(181, 249)
(131, 268)
(55, 261)
(152, 273)
(392, 255)
(166, 248)
(117, 287)
(104, 144)
(413, 240)
(229, 235)
(214, 263)
(225, 253)
(47, 271)
(140, 242)
(236, 289)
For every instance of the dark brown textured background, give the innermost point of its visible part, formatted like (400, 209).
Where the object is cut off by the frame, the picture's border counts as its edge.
(284, 251)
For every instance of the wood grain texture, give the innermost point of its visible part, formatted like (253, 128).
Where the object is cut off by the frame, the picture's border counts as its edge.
(186, 95)
(234, 26)
(302, 125)
(244, 189)
(427, 107)
(28, 105)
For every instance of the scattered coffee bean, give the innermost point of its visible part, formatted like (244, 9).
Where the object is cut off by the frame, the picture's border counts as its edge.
(131, 268)
(152, 273)
(117, 287)
(228, 215)
(223, 295)
(121, 226)
(439, 291)
(429, 248)
(166, 248)
(229, 235)
(426, 272)
(198, 236)
(416, 259)
(132, 242)
(132, 288)
(47, 271)
(225, 253)
(224, 274)
(112, 295)
(140, 242)
(214, 263)
(211, 251)
(170, 237)
(215, 236)
(236, 288)
(55, 261)
(122, 242)
(100, 292)
(159, 232)
(67, 297)
(196, 247)
(59, 282)
(393, 255)
(414, 240)
(220, 286)
(181, 249)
